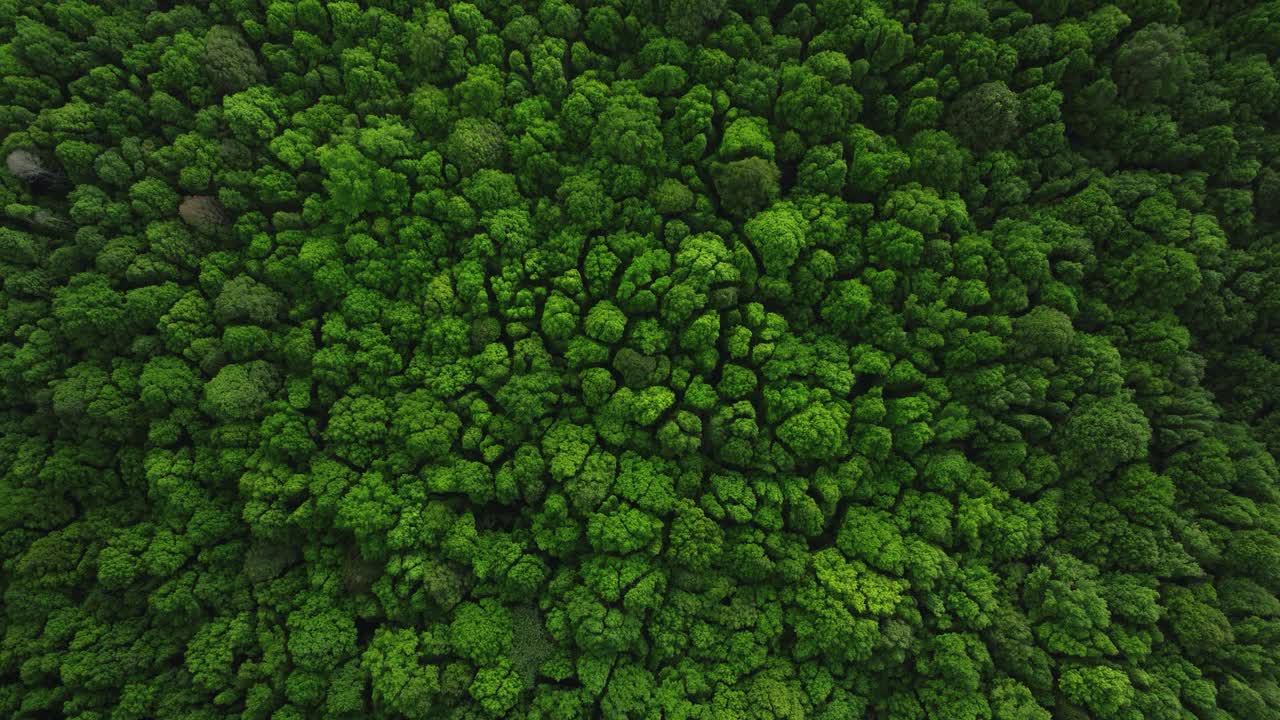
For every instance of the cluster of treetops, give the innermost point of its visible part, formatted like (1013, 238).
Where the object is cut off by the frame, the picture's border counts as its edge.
(640, 360)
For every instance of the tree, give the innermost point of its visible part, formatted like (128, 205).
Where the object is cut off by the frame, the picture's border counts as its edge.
(481, 632)
(817, 433)
(476, 143)
(746, 186)
(1103, 433)
(1103, 690)
(240, 392)
(687, 18)
(1044, 330)
(401, 681)
(202, 211)
(253, 115)
(746, 137)
(605, 322)
(680, 359)
(986, 117)
(778, 235)
(229, 62)
(1152, 64)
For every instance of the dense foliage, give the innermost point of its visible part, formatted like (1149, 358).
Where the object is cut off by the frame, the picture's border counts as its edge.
(647, 359)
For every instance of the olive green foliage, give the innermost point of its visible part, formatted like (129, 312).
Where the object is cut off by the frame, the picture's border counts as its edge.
(640, 360)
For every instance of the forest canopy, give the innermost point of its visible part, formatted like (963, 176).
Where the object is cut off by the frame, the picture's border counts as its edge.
(640, 359)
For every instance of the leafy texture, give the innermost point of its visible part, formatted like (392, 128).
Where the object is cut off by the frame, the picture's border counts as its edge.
(666, 360)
